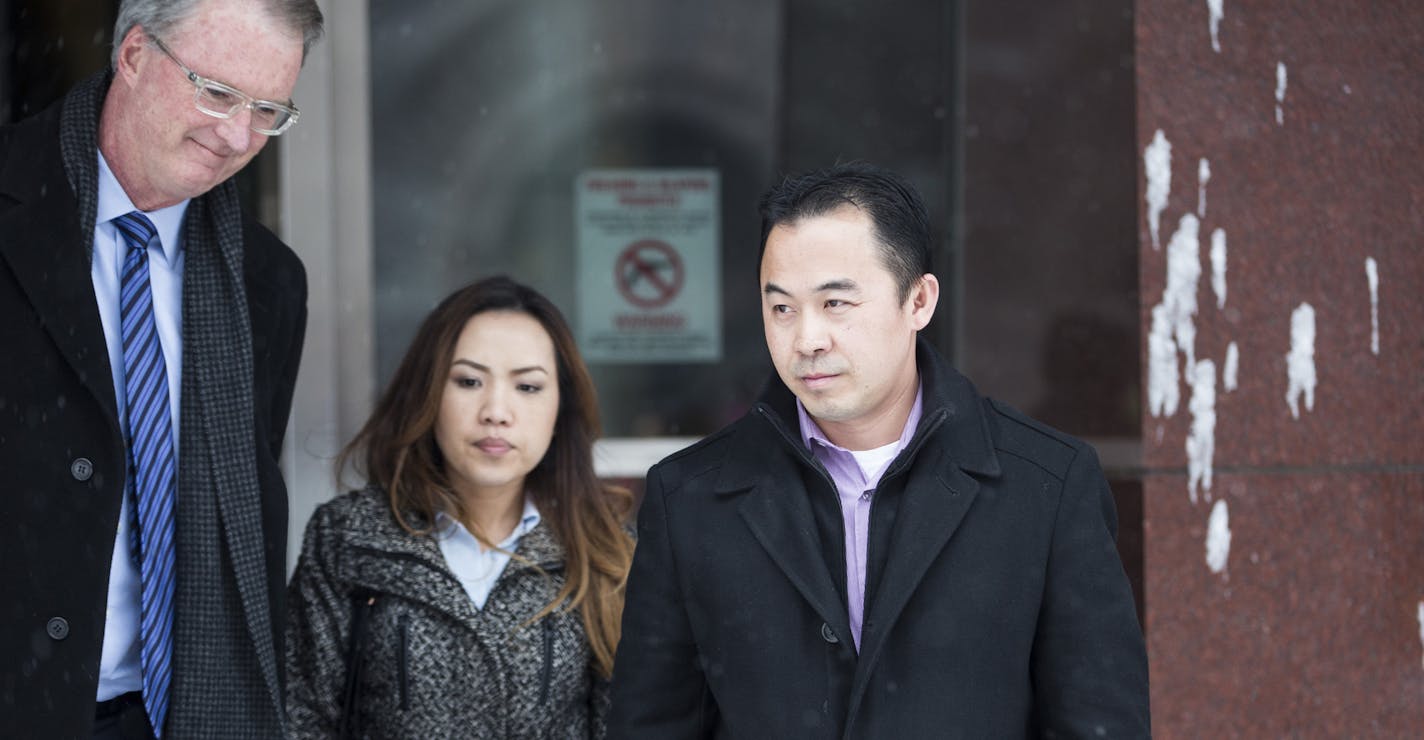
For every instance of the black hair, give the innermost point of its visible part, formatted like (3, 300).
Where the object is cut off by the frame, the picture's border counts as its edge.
(897, 213)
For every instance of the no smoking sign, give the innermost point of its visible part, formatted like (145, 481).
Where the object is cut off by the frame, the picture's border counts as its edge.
(649, 265)
(649, 273)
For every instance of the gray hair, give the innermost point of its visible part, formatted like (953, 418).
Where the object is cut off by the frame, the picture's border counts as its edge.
(158, 17)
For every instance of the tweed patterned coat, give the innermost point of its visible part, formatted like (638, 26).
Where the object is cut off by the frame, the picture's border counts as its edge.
(432, 665)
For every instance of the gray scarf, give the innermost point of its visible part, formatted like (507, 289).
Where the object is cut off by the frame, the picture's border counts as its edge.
(224, 663)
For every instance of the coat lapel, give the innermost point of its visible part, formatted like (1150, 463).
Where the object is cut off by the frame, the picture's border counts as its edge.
(776, 510)
(936, 499)
(954, 445)
(49, 257)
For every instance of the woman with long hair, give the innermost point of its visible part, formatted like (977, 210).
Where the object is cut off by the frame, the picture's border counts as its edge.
(474, 587)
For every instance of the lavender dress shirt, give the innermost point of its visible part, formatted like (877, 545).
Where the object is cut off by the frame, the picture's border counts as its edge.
(856, 473)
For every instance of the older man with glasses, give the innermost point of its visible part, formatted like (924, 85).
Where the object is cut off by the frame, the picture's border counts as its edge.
(152, 334)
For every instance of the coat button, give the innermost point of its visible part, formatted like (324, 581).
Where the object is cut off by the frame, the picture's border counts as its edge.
(58, 628)
(828, 635)
(81, 468)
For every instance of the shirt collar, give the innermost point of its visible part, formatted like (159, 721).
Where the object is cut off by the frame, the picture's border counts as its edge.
(810, 431)
(447, 526)
(114, 202)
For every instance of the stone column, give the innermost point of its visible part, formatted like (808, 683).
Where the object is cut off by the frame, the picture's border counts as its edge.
(1281, 155)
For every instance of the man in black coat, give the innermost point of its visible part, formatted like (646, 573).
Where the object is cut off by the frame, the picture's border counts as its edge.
(123, 189)
(875, 550)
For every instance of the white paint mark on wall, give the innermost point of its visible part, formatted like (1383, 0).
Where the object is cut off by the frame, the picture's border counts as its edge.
(1214, 7)
(1280, 93)
(1201, 442)
(1203, 177)
(1300, 363)
(1372, 275)
(1157, 159)
(1218, 266)
(1162, 393)
(1218, 537)
(1421, 622)
(1180, 295)
(1228, 371)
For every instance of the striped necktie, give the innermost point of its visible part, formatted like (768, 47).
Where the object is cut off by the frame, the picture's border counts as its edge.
(152, 468)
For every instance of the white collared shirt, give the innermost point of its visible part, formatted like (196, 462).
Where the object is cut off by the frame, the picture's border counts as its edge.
(477, 568)
(119, 670)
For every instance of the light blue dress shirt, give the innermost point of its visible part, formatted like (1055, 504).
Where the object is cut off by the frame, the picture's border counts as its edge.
(477, 568)
(119, 670)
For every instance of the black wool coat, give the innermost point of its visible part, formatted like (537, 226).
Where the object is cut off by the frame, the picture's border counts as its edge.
(1001, 610)
(62, 455)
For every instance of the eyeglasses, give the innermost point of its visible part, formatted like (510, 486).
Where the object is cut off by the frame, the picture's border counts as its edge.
(224, 101)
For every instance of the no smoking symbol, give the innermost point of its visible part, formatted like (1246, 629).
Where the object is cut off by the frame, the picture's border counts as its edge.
(649, 273)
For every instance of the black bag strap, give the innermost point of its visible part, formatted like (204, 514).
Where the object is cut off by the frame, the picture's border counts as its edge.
(362, 601)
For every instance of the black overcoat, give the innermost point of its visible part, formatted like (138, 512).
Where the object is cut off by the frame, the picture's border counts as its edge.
(62, 452)
(1002, 609)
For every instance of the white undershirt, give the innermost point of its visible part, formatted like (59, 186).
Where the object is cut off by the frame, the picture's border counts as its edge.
(873, 462)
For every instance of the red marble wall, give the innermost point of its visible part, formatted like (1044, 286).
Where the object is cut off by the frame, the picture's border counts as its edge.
(1314, 626)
